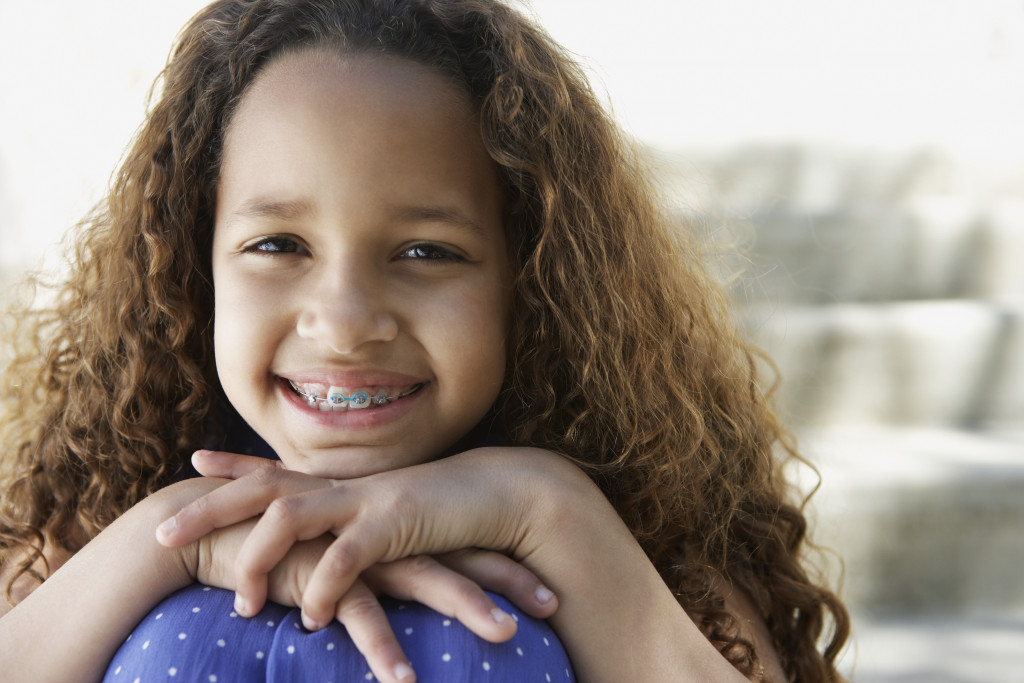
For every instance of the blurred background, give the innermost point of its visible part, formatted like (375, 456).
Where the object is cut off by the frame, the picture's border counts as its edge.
(860, 167)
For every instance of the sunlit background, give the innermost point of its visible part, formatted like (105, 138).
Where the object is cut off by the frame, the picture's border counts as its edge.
(862, 165)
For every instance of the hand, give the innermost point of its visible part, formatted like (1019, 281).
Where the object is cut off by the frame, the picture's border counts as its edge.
(450, 583)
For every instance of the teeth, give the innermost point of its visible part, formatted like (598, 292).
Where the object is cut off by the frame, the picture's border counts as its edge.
(359, 401)
(337, 401)
(335, 396)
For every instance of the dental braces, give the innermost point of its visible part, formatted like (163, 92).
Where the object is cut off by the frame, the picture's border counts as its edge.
(336, 398)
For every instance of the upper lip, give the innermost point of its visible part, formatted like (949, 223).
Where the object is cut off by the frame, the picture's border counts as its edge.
(352, 378)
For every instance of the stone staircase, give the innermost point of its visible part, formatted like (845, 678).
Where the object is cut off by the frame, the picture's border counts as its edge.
(889, 288)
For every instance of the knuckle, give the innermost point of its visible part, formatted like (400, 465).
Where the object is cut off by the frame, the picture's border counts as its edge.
(267, 476)
(420, 566)
(285, 511)
(338, 560)
(199, 507)
(362, 607)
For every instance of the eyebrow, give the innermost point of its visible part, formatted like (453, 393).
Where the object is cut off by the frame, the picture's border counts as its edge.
(439, 214)
(286, 210)
(294, 209)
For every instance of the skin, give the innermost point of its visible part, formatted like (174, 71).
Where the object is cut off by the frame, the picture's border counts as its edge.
(358, 243)
(359, 506)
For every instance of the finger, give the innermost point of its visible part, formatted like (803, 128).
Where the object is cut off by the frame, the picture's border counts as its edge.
(292, 519)
(229, 465)
(287, 521)
(234, 502)
(366, 623)
(427, 581)
(501, 574)
(362, 545)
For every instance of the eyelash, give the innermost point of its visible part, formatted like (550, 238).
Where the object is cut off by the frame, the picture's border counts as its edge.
(276, 245)
(273, 246)
(431, 252)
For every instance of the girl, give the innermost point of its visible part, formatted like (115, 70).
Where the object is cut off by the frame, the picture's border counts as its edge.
(404, 243)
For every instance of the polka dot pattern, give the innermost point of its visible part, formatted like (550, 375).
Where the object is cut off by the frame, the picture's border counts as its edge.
(195, 635)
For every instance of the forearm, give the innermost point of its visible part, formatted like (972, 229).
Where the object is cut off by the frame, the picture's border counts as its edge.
(617, 618)
(91, 603)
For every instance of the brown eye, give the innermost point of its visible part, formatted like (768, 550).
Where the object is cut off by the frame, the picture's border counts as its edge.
(274, 245)
(430, 252)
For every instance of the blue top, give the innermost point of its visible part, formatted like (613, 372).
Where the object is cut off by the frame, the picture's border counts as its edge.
(195, 635)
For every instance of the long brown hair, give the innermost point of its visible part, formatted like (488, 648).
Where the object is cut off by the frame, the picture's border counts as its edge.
(622, 354)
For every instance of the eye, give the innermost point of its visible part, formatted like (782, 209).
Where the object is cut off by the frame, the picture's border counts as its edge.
(275, 244)
(431, 252)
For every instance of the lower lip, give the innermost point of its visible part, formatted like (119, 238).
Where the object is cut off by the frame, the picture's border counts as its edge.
(365, 418)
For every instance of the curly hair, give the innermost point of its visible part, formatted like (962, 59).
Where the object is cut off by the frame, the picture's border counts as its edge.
(112, 385)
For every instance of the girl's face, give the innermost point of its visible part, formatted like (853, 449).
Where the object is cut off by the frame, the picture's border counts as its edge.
(359, 263)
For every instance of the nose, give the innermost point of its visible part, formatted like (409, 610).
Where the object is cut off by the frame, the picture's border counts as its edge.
(346, 309)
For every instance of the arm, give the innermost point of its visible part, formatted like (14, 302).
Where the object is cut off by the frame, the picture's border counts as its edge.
(97, 597)
(617, 618)
(94, 600)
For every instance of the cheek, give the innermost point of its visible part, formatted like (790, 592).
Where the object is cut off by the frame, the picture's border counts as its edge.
(241, 324)
(471, 336)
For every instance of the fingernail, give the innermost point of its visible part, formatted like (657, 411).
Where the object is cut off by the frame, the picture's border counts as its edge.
(310, 624)
(543, 595)
(403, 671)
(167, 527)
(499, 616)
(241, 606)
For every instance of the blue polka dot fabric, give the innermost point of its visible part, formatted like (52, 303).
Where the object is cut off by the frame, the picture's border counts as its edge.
(195, 635)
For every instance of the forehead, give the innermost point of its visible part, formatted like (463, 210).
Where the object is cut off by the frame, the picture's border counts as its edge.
(357, 130)
(412, 124)
(402, 91)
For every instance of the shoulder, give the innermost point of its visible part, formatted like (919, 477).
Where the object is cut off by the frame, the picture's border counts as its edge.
(751, 628)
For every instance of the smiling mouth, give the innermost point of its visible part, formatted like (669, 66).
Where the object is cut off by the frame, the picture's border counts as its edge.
(337, 400)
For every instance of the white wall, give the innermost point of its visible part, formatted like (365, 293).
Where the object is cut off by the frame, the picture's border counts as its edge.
(73, 78)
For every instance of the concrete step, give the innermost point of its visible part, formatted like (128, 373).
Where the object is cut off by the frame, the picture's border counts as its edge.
(980, 647)
(927, 248)
(927, 521)
(957, 363)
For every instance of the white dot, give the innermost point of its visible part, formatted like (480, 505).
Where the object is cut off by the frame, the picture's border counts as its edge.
(547, 677)
(291, 649)
(515, 617)
(212, 678)
(487, 666)
(117, 671)
(182, 636)
(446, 657)
(194, 610)
(446, 622)
(519, 651)
(145, 645)
(233, 615)
(137, 680)
(259, 655)
(546, 642)
(205, 590)
(159, 616)
(172, 671)
(330, 646)
(408, 631)
(270, 623)
(221, 643)
(368, 676)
